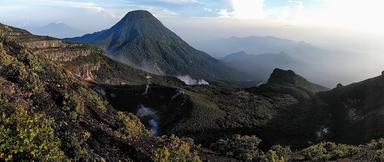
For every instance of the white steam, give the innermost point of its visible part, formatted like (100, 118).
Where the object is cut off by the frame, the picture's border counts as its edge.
(178, 93)
(151, 116)
(145, 111)
(188, 80)
(324, 131)
(147, 87)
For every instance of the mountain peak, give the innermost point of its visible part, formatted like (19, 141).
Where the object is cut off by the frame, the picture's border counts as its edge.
(283, 76)
(138, 14)
(141, 40)
(290, 78)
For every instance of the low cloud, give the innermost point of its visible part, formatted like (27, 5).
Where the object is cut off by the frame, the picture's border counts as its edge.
(188, 80)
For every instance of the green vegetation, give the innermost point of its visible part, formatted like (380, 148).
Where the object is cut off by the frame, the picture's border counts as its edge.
(329, 151)
(3, 98)
(132, 125)
(241, 147)
(175, 149)
(372, 151)
(97, 101)
(25, 136)
(26, 74)
(246, 148)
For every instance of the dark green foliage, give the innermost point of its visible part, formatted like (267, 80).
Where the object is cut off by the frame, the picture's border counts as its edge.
(241, 147)
(22, 68)
(374, 150)
(278, 153)
(132, 125)
(175, 149)
(25, 136)
(329, 151)
(3, 98)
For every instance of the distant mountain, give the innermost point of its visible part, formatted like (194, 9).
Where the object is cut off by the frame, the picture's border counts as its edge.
(290, 78)
(254, 45)
(259, 67)
(141, 40)
(58, 30)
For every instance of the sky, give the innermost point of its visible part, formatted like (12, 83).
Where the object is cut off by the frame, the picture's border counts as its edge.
(347, 25)
(362, 15)
(314, 21)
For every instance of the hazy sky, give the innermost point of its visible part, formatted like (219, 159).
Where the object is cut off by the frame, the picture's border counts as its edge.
(348, 25)
(365, 15)
(307, 20)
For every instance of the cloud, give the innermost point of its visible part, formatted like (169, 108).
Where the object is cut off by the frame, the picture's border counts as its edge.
(363, 15)
(180, 1)
(257, 9)
(244, 9)
(84, 5)
(248, 8)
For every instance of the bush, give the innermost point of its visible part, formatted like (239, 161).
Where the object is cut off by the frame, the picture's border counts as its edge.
(240, 147)
(374, 150)
(73, 102)
(176, 149)
(16, 71)
(6, 60)
(96, 101)
(329, 151)
(34, 63)
(132, 125)
(3, 98)
(28, 137)
(277, 153)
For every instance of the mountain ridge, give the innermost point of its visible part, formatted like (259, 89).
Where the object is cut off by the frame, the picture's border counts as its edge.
(141, 40)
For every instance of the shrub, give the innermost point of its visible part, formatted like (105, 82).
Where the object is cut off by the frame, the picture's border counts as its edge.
(34, 63)
(374, 150)
(3, 98)
(28, 137)
(162, 154)
(6, 59)
(272, 156)
(132, 124)
(241, 147)
(376, 144)
(16, 71)
(96, 101)
(175, 149)
(329, 150)
(277, 153)
(72, 102)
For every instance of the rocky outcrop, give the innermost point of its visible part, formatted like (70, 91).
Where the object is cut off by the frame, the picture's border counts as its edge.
(51, 48)
(41, 44)
(63, 54)
(290, 78)
(85, 71)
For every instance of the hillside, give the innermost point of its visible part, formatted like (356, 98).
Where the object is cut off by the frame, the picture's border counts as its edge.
(49, 111)
(141, 40)
(357, 110)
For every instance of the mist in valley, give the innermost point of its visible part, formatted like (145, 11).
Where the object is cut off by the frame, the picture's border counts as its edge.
(323, 55)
